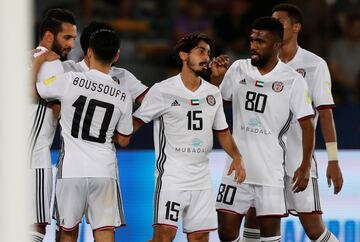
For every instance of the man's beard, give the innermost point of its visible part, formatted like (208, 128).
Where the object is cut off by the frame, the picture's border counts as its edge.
(56, 47)
(261, 61)
(202, 72)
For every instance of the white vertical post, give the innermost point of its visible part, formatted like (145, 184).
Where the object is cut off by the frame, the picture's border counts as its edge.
(15, 41)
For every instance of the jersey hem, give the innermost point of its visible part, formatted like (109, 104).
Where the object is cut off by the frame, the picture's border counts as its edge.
(295, 213)
(221, 130)
(200, 231)
(325, 106)
(306, 117)
(229, 211)
(168, 225)
(141, 95)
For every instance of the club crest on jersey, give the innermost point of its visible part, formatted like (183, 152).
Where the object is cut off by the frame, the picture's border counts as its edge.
(259, 83)
(116, 79)
(277, 86)
(195, 102)
(211, 100)
(301, 71)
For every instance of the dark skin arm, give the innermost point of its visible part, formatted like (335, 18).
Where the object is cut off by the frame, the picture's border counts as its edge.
(302, 174)
(228, 144)
(122, 140)
(219, 67)
(333, 172)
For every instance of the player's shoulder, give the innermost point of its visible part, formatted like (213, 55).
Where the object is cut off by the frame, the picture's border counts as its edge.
(210, 87)
(70, 65)
(310, 58)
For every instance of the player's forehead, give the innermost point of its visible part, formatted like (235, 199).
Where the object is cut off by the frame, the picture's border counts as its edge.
(259, 34)
(202, 45)
(68, 29)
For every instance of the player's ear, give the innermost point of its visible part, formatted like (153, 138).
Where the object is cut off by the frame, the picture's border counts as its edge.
(183, 55)
(116, 56)
(297, 27)
(49, 37)
(89, 53)
(277, 45)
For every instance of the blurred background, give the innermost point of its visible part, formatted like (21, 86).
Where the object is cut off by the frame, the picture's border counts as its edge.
(149, 29)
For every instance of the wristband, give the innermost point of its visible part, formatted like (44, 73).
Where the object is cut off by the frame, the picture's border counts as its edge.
(331, 148)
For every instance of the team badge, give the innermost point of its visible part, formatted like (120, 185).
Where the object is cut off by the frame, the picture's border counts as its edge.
(277, 86)
(211, 100)
(301, 71)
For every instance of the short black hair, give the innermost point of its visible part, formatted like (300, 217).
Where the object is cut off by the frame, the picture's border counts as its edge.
(87, 32)
(53, 20)
(294, 12)
(105, 44)
(271, 24)
(190, 41)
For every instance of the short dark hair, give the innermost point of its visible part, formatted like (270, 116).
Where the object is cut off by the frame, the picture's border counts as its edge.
(53, 20)
(105, 44)
(190, 41)
(271, 24)
(87, 32)
(294, 12)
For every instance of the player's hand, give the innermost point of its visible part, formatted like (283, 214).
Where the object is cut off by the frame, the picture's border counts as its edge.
(50, 56)
(301, 179)
(334, 175)
(219, 66)
(237, 165)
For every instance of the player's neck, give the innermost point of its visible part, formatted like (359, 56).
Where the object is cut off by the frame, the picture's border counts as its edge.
(269, 66)
(190, 80)
(288, 51)
(104, 68)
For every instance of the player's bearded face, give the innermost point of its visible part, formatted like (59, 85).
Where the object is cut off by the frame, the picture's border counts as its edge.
(60, 50)
(64, 40)
(198, 67)
(261, 48)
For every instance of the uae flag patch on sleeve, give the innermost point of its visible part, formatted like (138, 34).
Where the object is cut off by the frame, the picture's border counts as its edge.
(195, 102)
(259, 83)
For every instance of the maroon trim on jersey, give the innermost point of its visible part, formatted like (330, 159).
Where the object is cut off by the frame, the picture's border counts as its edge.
(274, 215)
(200, 231)
(293, 212)
(126, 135)
(139, 120)
(306, 117)
(68, 229)
(221, 130)
(229, 211)
(167, 225)
(326, 106)
(108, 227)
(141, 95)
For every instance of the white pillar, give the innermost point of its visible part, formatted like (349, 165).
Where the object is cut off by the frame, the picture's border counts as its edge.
(16, 27)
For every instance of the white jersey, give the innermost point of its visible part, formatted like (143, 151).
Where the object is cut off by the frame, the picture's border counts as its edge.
(183, 131)
(92, 108)
(135, 87)
(316, 73)
(43, 123)
(263, 106)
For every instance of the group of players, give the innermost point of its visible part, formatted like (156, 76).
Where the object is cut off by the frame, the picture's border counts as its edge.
(277, 95)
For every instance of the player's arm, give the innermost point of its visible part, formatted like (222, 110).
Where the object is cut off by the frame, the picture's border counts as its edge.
(228, 144)
(36, 65)
(122, 140)
(137, 124)
(333, 172)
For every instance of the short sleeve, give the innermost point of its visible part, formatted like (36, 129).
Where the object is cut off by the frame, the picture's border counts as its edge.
(125, 125)
(226, 87)
(220, 119)
(300, 100)
(53, 87)
(152, 106)
(136, 88)
(321, 91)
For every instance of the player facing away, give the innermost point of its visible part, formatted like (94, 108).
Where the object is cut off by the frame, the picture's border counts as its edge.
(57, 33)
(314, 69)
(136, 88)
(93, 107)
(265, 94)
(186, 111)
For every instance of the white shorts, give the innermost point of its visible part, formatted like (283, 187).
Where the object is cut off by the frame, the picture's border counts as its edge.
(307, 201)
(41, 191)
(195, 208)
(98, 198)
(238, 198)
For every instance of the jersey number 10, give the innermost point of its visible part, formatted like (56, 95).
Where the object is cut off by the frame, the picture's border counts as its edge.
(79, 105)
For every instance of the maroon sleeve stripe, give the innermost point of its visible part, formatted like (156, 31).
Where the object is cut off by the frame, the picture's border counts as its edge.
(306, 117)
(326, 106)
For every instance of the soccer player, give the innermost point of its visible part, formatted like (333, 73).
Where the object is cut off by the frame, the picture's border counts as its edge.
(93, 107)
(57, 33)
(136, 88)
(186, 110)
(265, 94)
(315, 71)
